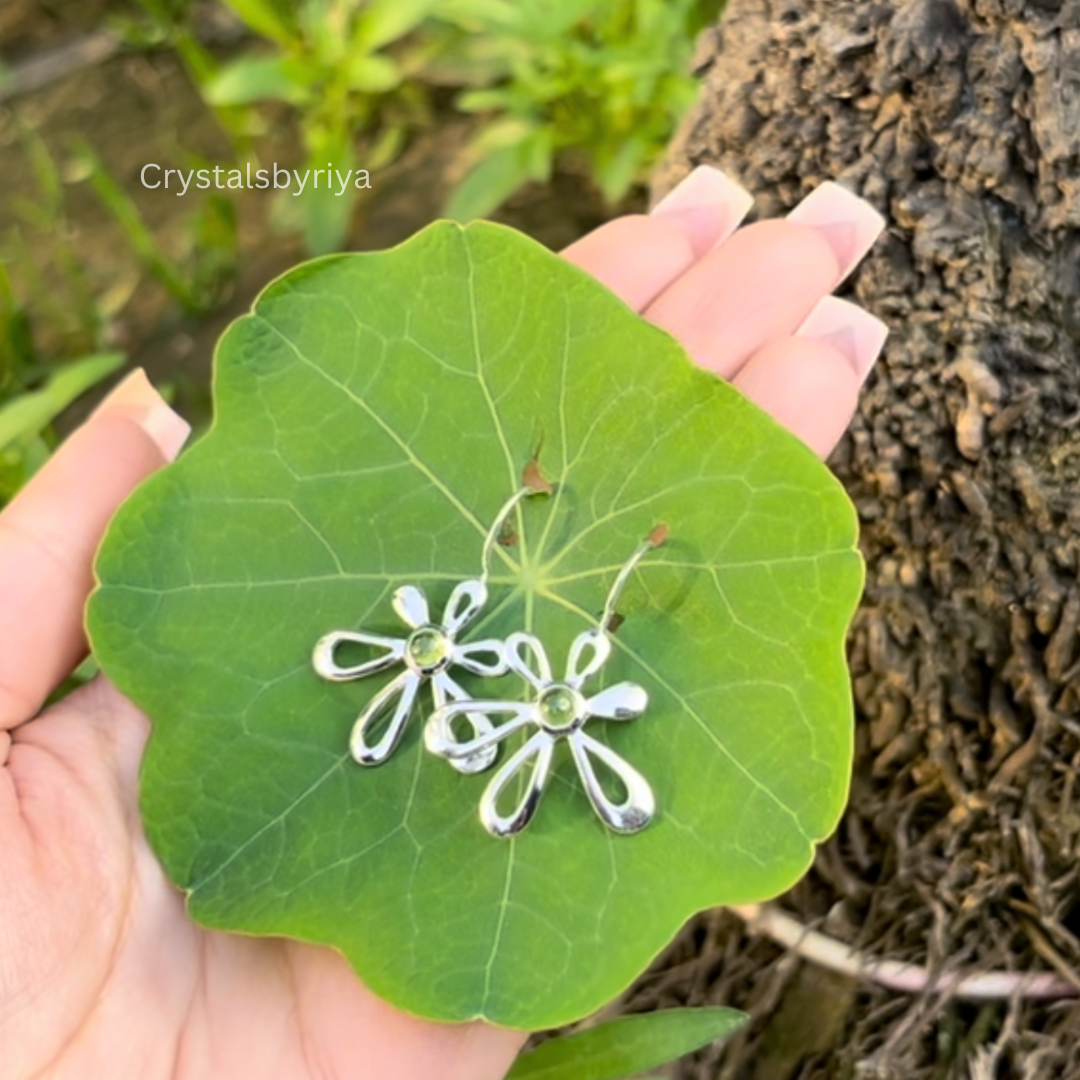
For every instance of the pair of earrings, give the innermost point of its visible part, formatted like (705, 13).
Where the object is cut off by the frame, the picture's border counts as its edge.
(556, 709)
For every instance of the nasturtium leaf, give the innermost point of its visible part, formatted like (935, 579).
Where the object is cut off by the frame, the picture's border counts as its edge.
(626, 1046)
(372, 414)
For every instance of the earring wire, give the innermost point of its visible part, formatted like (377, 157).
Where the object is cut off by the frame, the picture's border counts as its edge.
(530, 487)
(656, 537)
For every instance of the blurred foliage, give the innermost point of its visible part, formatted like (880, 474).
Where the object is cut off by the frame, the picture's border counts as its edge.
(67, 299)
(33, 391)
(599, 83)
(605, 81)
(26, 416)
(166, 23)
(199, 283)
(169, 24)
(37, 383)
(330, 60)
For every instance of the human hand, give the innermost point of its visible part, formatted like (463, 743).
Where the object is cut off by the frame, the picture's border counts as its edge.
(101, 972)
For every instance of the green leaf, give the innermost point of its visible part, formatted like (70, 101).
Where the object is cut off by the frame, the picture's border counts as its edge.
(23, 419)
(477, 15)
(16, 337)
(626, 1046)
(539, 154)
(508, 132)
(384, 21)
(617, 172)
(373, 74)
(265, 17)
(550, 20)
(36, 453)
(372, 414)
(252, 79)
(326, 209)
(489, 184)
(481, 100)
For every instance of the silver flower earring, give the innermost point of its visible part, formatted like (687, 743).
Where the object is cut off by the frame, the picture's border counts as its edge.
(557, 711)
(427, 653)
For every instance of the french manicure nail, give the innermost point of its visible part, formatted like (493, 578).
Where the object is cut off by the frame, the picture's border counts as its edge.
(847, 327)
(136, 397)
(707, 205)
(850, 225)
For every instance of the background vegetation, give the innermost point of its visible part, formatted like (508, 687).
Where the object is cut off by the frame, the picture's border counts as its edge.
(544, 98)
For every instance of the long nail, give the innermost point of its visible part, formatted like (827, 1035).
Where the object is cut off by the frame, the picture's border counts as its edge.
(850, 225)
(706, 205)
(847, 327)
(135, 397)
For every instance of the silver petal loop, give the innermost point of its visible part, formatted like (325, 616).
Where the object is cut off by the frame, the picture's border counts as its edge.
(639, 806)
(464, 605)
(520, 649)
(404, 688)
(469, 656)
(411, 606)
(322, 658)
(600, 646)
(444, 689)
(623, 701)
(439, 735)
(538, 750)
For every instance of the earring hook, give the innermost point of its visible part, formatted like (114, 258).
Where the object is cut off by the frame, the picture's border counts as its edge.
(657, 536)
(533, 483)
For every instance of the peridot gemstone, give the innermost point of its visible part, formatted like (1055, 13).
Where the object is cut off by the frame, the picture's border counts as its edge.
(560, 708)
(428, 648)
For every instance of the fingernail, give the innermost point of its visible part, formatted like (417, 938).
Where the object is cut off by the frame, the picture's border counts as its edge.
(706, 205)
(850, 225)
(136, 397)
(847, 327)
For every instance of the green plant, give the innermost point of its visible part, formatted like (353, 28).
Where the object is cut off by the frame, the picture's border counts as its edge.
(605, 81)
(16, 340)
(167, 24)
(626, 1046)
(198, 283)
(62, 291)
(329, 60)
(33, 391)
(29, 403)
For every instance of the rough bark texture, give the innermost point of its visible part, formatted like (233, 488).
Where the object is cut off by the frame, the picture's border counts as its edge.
(960, 121)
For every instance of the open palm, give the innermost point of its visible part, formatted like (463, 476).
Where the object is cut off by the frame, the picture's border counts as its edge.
(101, 972)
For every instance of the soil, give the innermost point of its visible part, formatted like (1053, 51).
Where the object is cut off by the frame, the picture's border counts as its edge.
(958, 852)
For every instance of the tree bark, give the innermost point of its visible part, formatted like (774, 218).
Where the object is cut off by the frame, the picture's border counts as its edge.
(960, 121)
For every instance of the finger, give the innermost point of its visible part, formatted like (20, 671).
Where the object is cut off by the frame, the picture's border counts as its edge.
(50, 531)
(637, 257)
(707, 205)
(762, 283)
(810, 382)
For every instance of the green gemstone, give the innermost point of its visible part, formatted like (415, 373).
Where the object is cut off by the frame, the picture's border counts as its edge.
(560, 708)
(428, 647)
